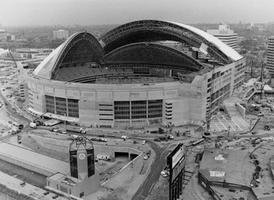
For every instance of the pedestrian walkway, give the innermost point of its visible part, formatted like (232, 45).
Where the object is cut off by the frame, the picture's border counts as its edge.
(235, 116)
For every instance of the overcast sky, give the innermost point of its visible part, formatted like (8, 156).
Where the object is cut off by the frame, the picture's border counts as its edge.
(93, 12)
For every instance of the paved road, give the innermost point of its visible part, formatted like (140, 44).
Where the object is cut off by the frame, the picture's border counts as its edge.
(12, 112)
(156, 168)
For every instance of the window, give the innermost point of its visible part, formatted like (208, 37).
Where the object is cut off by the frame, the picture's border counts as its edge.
(73, 107)
(50, 104)
(90, 160)
(121, 110)
(73, 164)
(155, 108)
(61, 105)
(138, 109)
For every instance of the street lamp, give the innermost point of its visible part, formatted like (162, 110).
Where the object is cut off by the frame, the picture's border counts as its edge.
(65, 120)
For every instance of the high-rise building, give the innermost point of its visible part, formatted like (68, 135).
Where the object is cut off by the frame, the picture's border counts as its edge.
(270, 56)
(226, 35)
(60, 34)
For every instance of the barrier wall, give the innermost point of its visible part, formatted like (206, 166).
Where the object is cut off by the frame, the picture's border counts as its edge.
(241, 109)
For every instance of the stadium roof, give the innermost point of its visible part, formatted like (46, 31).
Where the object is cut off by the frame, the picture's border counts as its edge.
(147, 30)
(230, 52)
(71, 50)
(152, 53)
(48, 65)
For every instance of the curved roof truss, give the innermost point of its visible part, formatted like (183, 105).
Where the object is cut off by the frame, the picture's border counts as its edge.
(152, 54)
(80, 47)
(149, 30)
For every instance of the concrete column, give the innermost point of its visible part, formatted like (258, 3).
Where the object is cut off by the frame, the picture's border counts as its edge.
(130, 120)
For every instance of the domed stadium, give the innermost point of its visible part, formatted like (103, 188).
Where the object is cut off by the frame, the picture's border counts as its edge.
(140, 74)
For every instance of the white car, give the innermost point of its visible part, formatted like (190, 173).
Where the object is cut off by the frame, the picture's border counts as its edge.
(32, 125)
(103, 139)
(143, 142)
(55, 130)
(164, 173)
(124, 137)
(145, 157)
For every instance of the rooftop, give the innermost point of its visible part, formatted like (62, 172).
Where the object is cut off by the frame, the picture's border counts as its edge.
(230, 166)
(32, 159)
(23, 188)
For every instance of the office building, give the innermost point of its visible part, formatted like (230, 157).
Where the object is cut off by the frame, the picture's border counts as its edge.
(226, 35)
(60, 34)
(270, 56)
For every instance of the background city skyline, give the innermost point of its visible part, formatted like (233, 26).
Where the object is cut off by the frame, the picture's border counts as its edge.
(96, 12)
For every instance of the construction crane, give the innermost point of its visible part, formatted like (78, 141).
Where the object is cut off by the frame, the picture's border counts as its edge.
(13, 59)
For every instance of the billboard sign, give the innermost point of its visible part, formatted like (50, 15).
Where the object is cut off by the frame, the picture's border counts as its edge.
(178, 156)
(176, 164)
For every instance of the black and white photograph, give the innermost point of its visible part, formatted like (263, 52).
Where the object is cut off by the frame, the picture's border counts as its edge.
(136, 100)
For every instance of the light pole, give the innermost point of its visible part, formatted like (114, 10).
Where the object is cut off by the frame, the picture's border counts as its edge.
(65, 121)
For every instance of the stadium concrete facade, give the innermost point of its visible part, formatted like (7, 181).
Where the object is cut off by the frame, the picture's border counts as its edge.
(143, 73)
